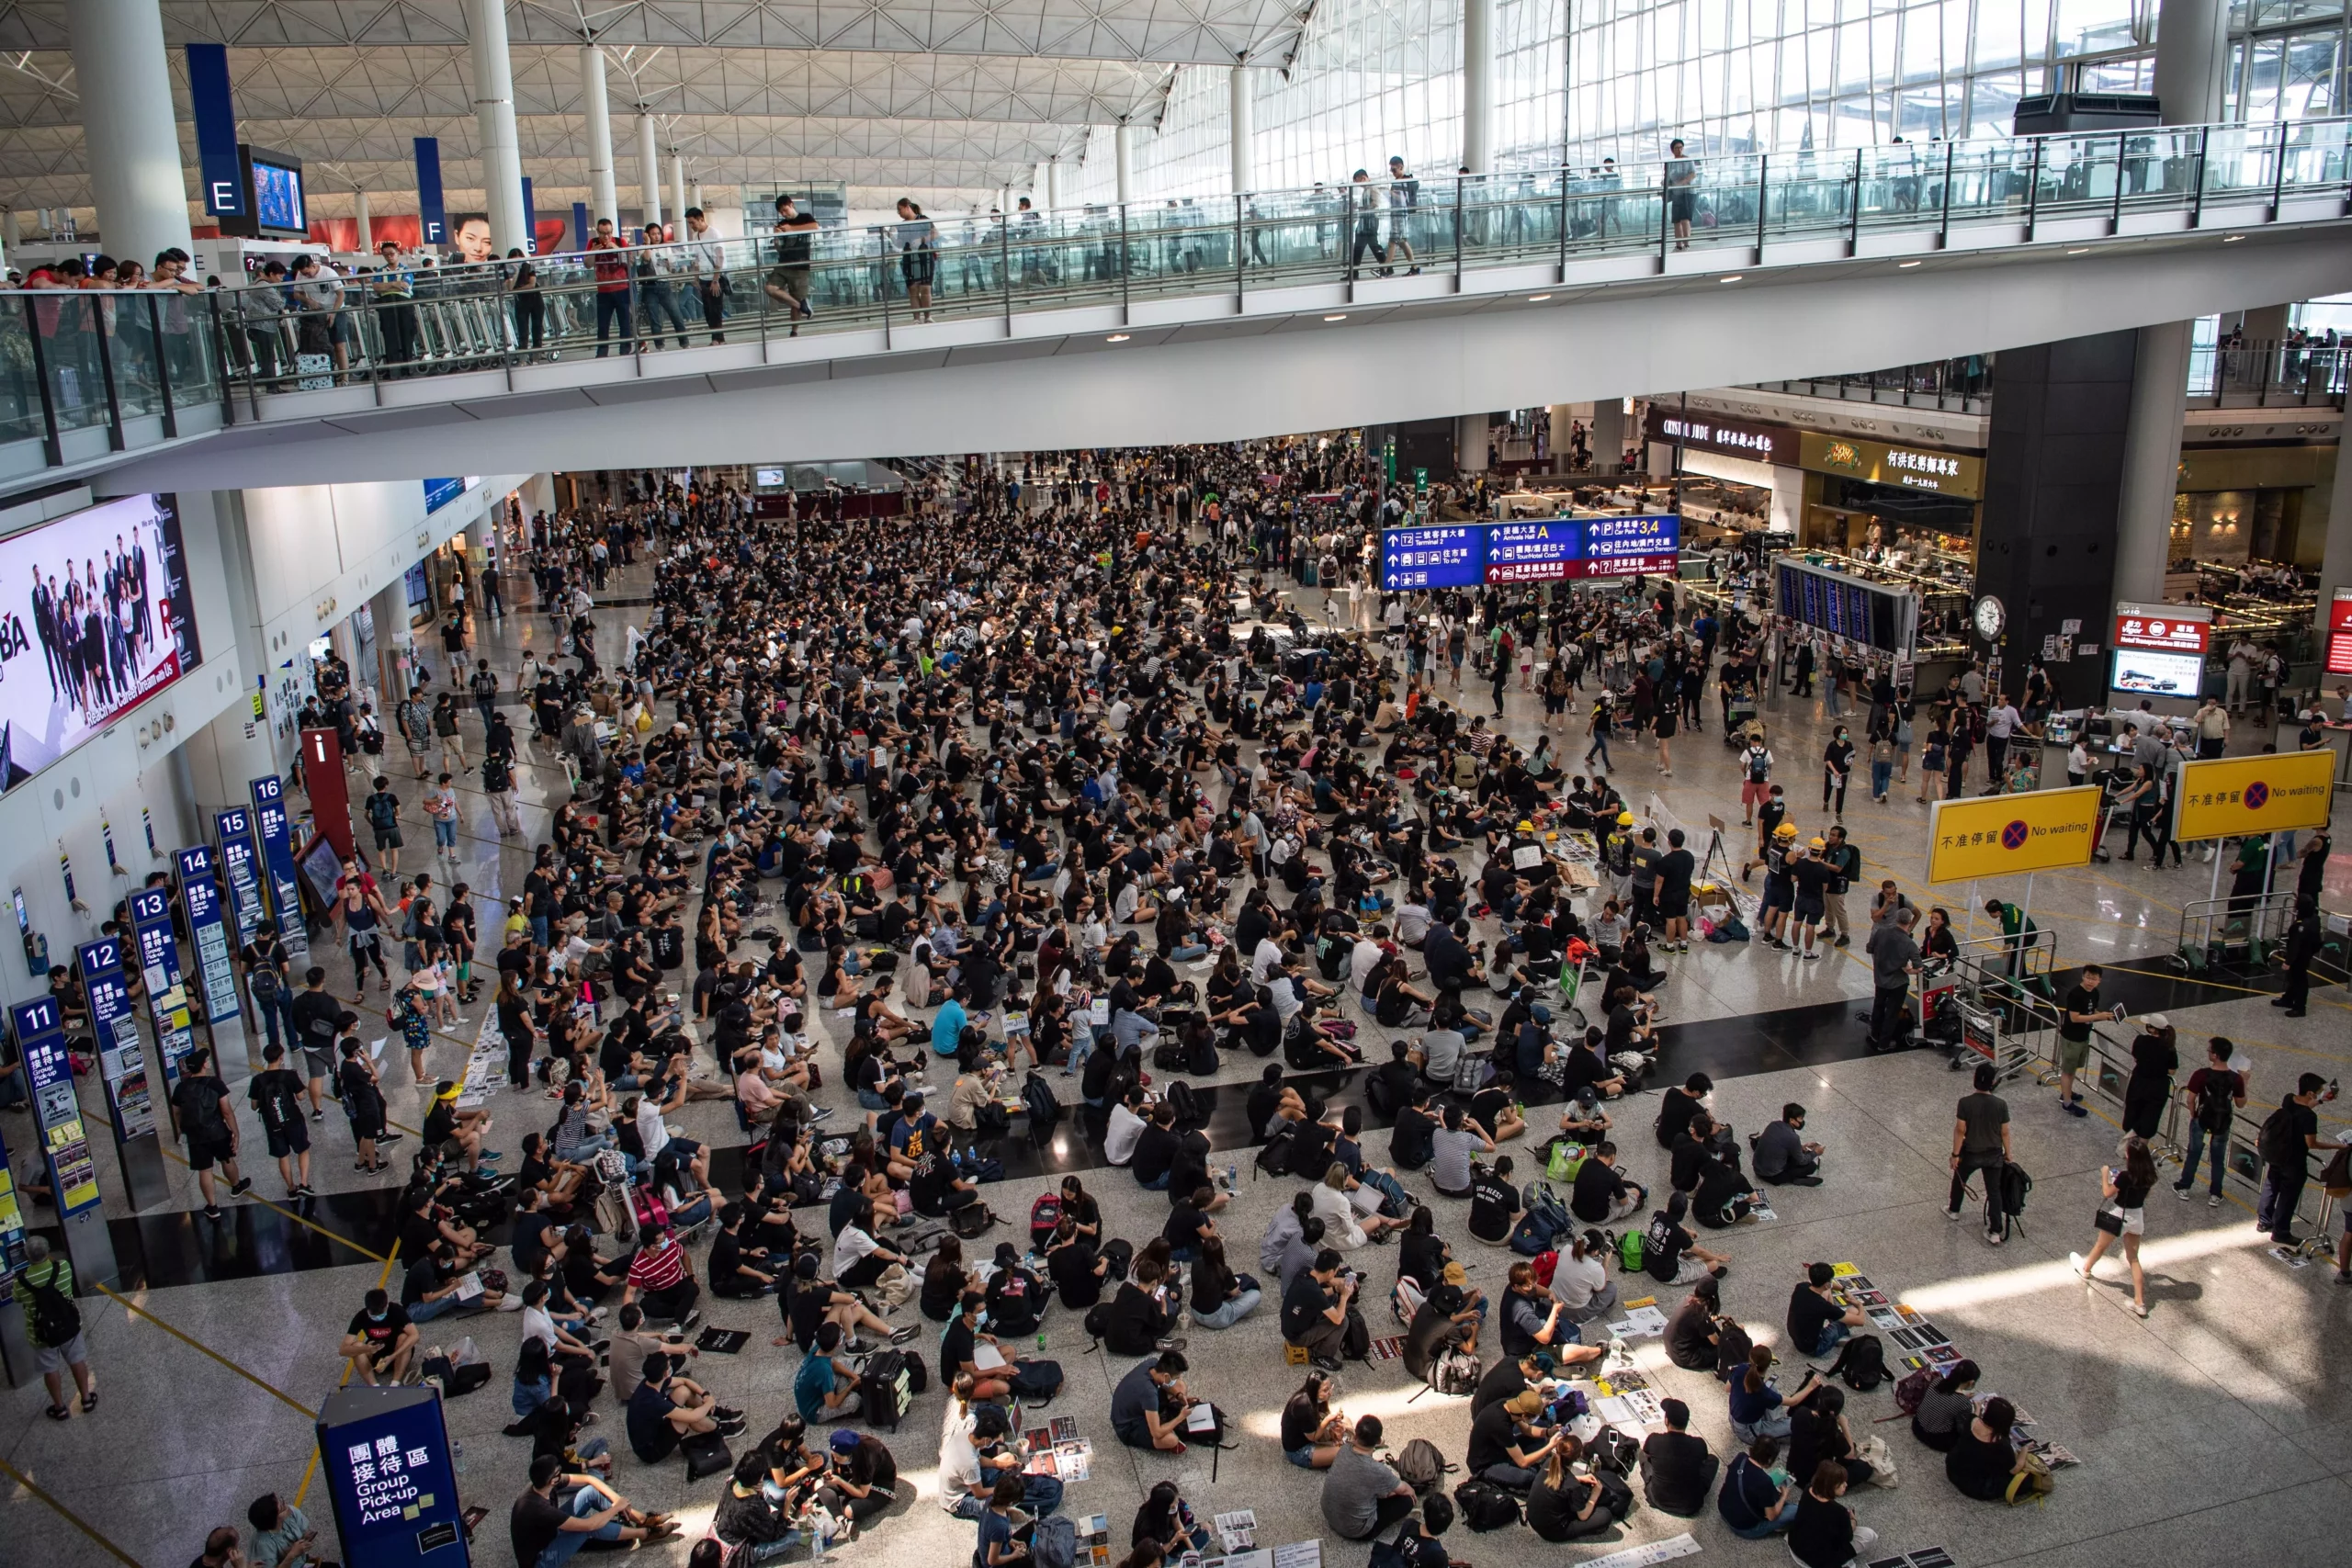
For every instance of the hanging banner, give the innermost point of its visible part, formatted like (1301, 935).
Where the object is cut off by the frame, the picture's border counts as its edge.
(579, 225)
(215, 114)
(240, 870)
(159, 972)
(275, 831)
(2009, 835)
(2228, 797)
(122, 1057)
(49, 1073)
(530, 219)
(207, 930)
(433, 218)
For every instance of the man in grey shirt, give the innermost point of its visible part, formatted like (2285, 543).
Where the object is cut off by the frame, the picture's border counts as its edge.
(1782, 1156)
(1894, 957)
(1362, 1496)
(1440, 1055)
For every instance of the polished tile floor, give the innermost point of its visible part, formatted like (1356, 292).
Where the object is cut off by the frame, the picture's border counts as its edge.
(2215, 1430)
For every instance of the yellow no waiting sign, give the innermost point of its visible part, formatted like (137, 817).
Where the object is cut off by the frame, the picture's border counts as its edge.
(2228, 797)
(2011, 835)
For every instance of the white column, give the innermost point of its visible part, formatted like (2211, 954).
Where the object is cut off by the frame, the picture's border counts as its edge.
(128, 127)
(1054, 179)
(1122, 149)
(677, 186)
(649, 170)
(1470, 433)
(696, 194)
(2192, 60)
(2151, 462)
(502, 152)
(603, 200)
(1041, 195)
(361, 217)
(1241, 119)
(1478, 85)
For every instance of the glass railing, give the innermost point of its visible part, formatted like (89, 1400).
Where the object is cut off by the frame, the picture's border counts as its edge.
(80, 361)
(421, 319)
(74, 361)
(2286, 374)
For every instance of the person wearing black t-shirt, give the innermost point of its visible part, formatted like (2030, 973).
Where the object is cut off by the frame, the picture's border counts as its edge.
(1602, 1193)
(1509, 1442)
(1414, 1140)
(1015, 1298)
(1818, 1325)
(1156, 1149)
(731, 1264)
(1494, 1203)
(1813, 876)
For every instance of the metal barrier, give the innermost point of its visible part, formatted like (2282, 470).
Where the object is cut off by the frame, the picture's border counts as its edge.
(2233, 932)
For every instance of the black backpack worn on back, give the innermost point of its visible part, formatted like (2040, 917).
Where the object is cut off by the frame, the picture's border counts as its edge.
(55, 1320)
(1732, 1348)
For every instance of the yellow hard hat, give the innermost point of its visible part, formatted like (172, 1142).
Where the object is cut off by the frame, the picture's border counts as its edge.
(1785, 831)
(1817, 843)
(1624, 819)
(1525, 826)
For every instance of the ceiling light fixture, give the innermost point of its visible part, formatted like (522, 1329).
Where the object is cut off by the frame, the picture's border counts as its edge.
(1537, 298)
(1906, 264)
(1735, 277)
(2080, 251)
(1116, 337)
(1340, 317)
(2231, 239)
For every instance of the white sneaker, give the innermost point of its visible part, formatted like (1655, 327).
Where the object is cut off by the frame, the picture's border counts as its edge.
(1953, 1215)
(2213, 1200)
(2075, 1262)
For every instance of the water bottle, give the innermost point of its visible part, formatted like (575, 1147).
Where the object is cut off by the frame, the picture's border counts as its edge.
(1041, 1342)
(457, 1457)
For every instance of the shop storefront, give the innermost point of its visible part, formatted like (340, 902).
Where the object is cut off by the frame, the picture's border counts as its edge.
(2238, 506)
(1914, 507)
(1736, 477)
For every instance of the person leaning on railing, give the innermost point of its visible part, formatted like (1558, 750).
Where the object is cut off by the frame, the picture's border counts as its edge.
(392, 287)
(261, 311)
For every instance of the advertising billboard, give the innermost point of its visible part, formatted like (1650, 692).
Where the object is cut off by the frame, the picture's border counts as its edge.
(94, 617)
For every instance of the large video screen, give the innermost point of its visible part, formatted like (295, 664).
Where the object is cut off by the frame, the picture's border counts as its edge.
(97, 618)
(277, 198)
(2146, 673)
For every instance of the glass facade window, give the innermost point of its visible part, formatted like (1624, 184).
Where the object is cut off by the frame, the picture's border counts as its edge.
(1580, 80)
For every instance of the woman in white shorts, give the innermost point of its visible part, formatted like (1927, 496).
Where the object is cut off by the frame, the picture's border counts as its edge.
(2121, 1213)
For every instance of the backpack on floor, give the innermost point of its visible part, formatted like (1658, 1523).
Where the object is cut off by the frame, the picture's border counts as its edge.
(1045, 1110)
(1168, 1056)
(1455, 1372)
(1054, 1543)
(1485, 1507)
(1616, 1494)
(1045, 1217)
(1912, 1391)
(1423, 1466)
(1274, 1159)
(1862, 1361)
(706, 1454)
(1733, 1346)
(1611, 1449)
(1632, 1253)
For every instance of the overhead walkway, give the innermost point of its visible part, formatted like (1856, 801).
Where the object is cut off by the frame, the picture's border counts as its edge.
(1227, 317)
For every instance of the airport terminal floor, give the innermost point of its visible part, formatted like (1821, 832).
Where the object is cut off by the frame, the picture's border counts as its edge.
(2214, 1428)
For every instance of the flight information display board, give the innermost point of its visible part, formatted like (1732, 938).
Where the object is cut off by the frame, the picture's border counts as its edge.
(1875, 614)
(1561, 549)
